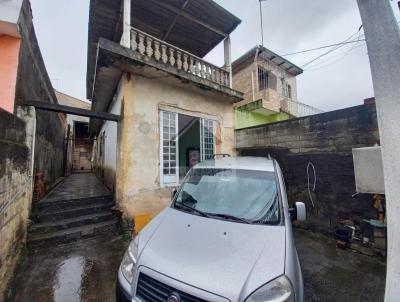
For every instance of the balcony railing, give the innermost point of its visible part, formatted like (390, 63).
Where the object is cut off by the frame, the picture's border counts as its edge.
(298, 109)
(151, 48)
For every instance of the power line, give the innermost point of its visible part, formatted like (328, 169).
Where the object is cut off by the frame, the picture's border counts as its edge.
(328, 62)
(334, 48)
(345, 42)
(322, 47)
(318, 65)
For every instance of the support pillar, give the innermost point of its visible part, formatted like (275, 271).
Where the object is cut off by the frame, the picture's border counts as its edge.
(383, 42)
(126, 35)
(228, 58)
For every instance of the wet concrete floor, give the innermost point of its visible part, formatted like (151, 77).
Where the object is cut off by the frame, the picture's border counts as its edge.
(77, 185)
(86, 271)
(333, 274)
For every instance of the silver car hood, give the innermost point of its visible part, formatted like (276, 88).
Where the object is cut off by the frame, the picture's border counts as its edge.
(225, 258)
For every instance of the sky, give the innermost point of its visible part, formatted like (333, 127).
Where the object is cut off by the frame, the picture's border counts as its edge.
(338, 80)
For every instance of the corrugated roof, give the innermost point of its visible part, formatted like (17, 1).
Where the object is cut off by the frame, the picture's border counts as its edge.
(196, 26)
(249, 56)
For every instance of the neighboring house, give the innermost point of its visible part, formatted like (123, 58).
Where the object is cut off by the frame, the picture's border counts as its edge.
(145, 64)
(79, 147)
(268, 82)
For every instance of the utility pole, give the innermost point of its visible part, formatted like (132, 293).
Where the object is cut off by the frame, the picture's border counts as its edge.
(383, 42)
(262, 27)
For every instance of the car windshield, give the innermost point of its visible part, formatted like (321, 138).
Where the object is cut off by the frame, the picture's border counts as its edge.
(241, 195)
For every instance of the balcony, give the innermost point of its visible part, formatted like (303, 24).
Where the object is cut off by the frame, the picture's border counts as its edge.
(167, 57)
(297, 109)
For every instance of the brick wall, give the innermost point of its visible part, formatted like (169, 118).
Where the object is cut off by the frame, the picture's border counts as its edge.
(15, 189)
(326, 140)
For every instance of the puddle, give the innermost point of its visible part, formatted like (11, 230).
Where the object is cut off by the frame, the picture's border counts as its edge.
(68, 281)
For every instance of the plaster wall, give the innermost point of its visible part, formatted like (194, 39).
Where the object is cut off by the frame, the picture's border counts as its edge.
(110, 131)
(138, 176)
(9, 58)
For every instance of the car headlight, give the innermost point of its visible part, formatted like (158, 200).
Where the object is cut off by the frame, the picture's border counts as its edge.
(128, 265)
(278, 290)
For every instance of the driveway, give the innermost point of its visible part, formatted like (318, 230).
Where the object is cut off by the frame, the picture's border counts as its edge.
(86, 270)
(333, 274)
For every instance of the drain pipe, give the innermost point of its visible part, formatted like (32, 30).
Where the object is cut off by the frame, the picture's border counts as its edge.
(252, 85)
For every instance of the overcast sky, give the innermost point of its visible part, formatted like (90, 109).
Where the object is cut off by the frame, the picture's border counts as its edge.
(339, 80)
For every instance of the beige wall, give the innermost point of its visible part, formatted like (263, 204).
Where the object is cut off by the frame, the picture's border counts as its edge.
(138, 176)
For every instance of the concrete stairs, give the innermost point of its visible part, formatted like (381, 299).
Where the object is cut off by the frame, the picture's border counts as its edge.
(69, 220)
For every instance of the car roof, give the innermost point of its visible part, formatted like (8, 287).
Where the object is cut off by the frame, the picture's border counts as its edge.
(241, 163)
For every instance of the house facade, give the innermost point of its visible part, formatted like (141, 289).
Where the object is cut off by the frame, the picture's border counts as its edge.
(176, 109)
(269, 84)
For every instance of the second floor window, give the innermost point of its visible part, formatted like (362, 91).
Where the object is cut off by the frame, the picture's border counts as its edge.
(262, 78)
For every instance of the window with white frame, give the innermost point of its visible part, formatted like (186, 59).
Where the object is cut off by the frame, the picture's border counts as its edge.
(207, 139)
(169, 133)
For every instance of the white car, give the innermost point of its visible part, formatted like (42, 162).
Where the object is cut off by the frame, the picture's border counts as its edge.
(227, 236)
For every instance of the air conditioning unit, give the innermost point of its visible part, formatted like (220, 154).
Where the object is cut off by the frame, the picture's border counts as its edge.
(368, 170)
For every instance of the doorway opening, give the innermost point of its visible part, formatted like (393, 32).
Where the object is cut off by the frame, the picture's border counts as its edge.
(188, 143)
(82, 147)
(184, 141)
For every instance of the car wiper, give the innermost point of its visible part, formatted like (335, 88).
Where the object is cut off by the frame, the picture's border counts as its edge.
(227, 216)
(183, 206)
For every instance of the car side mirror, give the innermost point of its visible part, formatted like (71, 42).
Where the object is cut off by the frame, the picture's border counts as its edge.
(173, 193)
(298, 212)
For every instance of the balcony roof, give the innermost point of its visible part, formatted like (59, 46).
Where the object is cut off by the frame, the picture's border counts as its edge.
(196, 26)
(249, 57)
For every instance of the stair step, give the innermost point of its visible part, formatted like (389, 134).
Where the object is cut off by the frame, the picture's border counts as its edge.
(63, 224)
(72, 234)
(69, 203)
(59, 214)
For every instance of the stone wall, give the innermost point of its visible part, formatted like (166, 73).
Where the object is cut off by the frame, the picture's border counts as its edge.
(325, 140)
(34, 84)
(15, 189)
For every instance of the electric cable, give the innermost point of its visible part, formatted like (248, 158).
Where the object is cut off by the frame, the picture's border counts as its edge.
(310, 164)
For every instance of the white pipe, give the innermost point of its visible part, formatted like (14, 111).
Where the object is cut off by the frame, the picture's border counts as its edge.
(252, 85)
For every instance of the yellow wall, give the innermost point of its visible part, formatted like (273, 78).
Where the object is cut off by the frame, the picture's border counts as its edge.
(138, 176)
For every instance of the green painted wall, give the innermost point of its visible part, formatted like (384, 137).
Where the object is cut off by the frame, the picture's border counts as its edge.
(244, 119)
